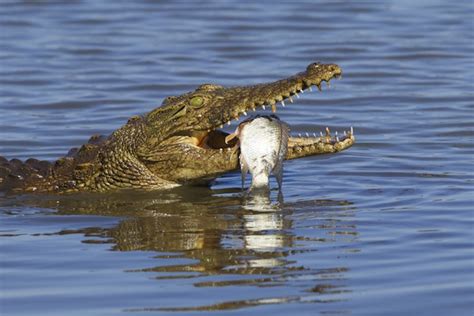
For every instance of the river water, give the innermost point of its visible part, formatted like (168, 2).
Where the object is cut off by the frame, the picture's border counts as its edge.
(384, 228)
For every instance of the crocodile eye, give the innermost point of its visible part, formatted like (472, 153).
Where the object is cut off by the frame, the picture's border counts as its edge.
(196, 102)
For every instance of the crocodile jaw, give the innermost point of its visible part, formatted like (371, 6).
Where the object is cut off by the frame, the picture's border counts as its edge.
(202, 140)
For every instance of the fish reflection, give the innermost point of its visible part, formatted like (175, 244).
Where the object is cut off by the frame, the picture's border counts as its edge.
(264, 227)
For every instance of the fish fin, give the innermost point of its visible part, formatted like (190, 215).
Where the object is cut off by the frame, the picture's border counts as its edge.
(244, 169)
(285, 136)
(278, 172)
(278, 169)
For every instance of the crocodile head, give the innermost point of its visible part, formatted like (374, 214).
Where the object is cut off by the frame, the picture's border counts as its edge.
(185, 143)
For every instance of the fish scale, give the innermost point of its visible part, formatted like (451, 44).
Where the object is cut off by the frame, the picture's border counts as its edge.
(263, 146)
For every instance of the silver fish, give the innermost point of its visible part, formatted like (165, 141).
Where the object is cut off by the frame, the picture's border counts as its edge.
(263, 145)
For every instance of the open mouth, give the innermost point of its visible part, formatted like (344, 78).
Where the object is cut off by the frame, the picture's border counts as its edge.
(268, 97)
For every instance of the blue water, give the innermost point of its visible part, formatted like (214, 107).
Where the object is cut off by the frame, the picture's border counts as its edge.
(384, 228)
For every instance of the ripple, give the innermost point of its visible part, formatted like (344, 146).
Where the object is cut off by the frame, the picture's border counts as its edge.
(388, 220)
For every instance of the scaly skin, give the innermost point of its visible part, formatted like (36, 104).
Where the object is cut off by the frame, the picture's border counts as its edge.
(175, 144)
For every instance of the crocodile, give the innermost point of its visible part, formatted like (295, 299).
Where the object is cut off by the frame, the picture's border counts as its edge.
(180, 142)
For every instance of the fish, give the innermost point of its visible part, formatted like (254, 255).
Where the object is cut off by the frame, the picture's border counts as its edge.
(263, 142)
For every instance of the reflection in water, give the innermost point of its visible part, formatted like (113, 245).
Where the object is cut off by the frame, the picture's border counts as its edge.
(263, 228)
(244, 241)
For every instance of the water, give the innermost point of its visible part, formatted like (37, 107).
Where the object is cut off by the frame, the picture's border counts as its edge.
(384, 228)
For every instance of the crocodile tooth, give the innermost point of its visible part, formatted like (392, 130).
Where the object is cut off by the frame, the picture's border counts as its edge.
(337, 139)
(245, 113)
(297, 95)
(335, 133)
(314, 134)
(229, 149)
(307, 134)
(352, 130)
(345, 133)
(299, 135)
(263, 106)
(321, 134)
(228, 123)
(220, 149)
(291, 99)
(221, 126)
(283, 103)
(328, 132)
(310, 89)
(328, 84)
(302, 91)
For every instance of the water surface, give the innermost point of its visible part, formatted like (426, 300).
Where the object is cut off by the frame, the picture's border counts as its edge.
(384, 228)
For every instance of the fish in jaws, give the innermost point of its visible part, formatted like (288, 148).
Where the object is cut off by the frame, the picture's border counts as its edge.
(263, 142)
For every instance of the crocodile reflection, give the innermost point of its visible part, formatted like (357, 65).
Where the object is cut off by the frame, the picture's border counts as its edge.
(222, 232)
(222, 235)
